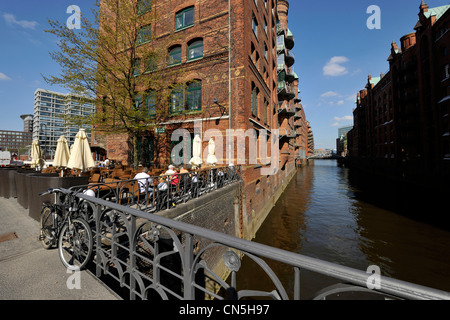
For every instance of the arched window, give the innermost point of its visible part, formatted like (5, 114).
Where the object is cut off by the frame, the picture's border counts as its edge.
(195, 49)
(255, 94)
(175, 55)
(177, 99)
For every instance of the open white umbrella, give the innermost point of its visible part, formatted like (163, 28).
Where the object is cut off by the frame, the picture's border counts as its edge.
(196, 160)
(211, 159)
(81, 156)
(36, 154)
(62, 154)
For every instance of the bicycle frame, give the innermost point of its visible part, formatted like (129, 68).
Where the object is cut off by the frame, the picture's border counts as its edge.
(63, 211)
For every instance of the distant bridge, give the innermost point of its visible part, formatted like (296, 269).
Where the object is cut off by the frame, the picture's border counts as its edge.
(321, 157)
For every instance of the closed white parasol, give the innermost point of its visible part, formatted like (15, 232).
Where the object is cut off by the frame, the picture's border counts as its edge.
(81, 156)
(196, 160)
(211, 159)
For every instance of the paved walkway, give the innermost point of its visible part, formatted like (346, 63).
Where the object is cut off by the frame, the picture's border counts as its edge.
(29, 272)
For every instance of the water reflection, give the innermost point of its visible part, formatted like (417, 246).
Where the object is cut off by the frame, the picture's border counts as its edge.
(325, 213)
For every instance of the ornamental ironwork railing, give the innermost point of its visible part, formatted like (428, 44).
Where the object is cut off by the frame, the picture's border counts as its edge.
(153, 257)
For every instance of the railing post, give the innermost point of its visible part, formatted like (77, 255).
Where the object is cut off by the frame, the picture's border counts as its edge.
(188, 268)
(296, 283)
(97, 212)
(132, 254)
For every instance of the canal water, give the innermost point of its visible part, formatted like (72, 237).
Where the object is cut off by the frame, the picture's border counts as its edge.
(328, 213)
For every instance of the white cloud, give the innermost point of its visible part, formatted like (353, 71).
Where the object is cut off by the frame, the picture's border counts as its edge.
(329, 94)
(340, 102)
(11, 20)
(4, 77)
(334, 68)
(338, 121)
(344, 118)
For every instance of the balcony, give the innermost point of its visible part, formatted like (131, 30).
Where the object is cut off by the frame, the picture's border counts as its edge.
(284, 106)
(287, 133)
(290, 110)
(291, 133)
(289, 58)
(289, 40)
(290, 75)
(285, 91)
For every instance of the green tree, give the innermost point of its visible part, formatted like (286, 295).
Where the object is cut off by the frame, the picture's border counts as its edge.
(115, 61)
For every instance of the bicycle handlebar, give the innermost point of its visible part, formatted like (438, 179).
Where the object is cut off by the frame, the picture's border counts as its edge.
(50, 190)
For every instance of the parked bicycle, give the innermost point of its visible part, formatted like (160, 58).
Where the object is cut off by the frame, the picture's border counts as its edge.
(63, 225)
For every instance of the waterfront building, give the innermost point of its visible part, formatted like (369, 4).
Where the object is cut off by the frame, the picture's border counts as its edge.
(401, 122)
(18, 142)
(51, 111)
(237, 63)
(341, 141)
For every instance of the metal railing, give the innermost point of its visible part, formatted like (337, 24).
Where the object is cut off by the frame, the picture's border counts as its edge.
(156, 257)
(162, 192)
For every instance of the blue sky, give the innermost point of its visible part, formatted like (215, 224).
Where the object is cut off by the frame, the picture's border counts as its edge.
(334, 50)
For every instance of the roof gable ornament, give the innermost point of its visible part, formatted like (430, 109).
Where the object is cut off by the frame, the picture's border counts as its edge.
(423, 7)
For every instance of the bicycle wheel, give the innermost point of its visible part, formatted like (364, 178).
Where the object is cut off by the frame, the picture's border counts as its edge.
(46, 236)
(75, 244)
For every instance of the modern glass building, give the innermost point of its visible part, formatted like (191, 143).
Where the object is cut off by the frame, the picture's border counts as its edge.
(50, 111)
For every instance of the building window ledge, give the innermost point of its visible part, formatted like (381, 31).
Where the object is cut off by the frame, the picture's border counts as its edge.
(184, 28)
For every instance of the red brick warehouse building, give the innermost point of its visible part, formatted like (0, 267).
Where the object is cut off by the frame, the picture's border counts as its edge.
(402, 122)
(236, 61)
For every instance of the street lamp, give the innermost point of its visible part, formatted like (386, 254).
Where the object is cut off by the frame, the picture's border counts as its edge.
(44, 137)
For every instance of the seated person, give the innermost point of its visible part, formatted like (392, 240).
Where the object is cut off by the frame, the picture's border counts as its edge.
(183, 170)
(170, 171)
(144, 181)
(175, 177)
(162, 185)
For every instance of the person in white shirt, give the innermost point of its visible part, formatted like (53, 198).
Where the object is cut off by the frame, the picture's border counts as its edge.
(170, 171)
(144, 180)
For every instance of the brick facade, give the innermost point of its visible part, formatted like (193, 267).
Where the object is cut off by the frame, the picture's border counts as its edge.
(402, 118)
(248, 84)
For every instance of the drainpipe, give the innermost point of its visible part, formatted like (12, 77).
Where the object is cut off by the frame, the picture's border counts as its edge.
(229, 81)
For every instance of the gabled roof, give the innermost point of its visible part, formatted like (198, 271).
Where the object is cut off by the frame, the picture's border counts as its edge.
(374, 80)
(438, 12)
